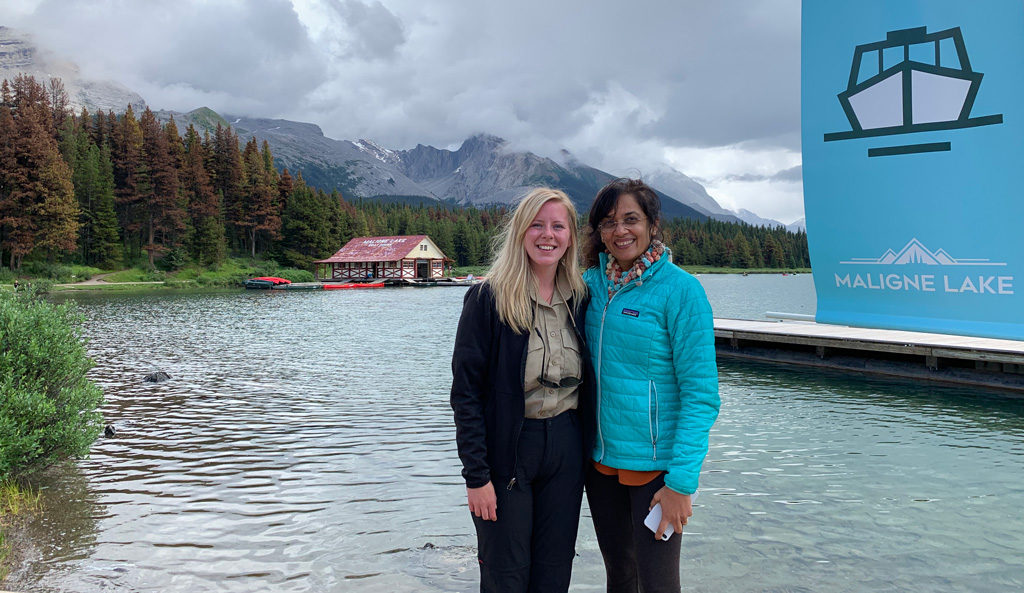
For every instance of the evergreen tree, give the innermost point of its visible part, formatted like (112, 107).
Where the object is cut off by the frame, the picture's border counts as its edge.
(204, 207)
(131, 180)
(106, 244)
(258, 214)
(225, 169)
(38, 201)
(743, 257)
(55, 209)
(164, 211)
(11, 219)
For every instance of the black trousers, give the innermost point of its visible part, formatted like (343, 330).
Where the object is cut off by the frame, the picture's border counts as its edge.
(633, 559)
(530, 548)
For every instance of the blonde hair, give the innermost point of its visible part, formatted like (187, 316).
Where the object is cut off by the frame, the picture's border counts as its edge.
(510, 274)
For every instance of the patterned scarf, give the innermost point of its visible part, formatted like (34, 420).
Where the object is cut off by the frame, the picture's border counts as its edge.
(645, 261)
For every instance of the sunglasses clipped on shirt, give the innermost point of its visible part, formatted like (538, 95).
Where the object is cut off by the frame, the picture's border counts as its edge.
(564, 381)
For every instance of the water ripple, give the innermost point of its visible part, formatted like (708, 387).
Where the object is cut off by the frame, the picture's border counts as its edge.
(305, 443)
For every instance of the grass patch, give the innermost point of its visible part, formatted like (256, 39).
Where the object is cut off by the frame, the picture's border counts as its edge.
(58, 273)
(467, 270)
(15, 500)
(136, 275)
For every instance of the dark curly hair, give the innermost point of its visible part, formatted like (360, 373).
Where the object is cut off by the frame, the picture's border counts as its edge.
(605, 202)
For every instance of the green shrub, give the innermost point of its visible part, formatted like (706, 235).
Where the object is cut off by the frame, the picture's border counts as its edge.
(48, 408)
(55, 272)
(174, 259)
(82, 273)
(294, 274)
(6, 276)
(137, 275)
(38, 286)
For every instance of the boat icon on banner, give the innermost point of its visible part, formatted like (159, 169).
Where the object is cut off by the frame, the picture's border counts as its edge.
(914, 81)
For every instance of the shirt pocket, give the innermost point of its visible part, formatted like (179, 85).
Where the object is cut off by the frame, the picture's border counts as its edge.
(572, 365)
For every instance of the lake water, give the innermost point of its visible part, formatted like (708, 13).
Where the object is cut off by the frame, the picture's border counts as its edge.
(305, 443)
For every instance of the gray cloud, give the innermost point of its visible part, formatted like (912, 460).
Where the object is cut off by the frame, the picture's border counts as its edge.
(616, 83)
(786, 175)
(255, 54)
(377, 33)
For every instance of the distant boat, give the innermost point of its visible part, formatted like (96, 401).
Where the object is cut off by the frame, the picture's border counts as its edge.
(265, 282)
(914, 81)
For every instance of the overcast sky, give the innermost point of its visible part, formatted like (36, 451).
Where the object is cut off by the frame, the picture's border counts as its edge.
(711, 88)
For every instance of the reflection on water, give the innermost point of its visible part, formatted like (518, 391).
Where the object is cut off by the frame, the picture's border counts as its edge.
(750, 297)
(305, 443)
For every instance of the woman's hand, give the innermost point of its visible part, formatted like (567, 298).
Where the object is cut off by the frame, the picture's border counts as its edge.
(676, 509)
(483, 502)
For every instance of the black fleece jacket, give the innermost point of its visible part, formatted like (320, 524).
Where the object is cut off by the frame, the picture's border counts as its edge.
(487, 389)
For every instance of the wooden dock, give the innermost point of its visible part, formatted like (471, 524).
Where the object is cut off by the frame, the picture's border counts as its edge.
(962, 360)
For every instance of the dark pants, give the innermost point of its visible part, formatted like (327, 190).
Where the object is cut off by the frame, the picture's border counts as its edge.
(633, 559)
(530, 548)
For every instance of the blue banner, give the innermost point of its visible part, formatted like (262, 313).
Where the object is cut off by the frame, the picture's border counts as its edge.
(913, 163)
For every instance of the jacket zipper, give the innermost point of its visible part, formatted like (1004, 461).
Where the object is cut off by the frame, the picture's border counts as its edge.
(600, 356)
(519, 429)
(653, 421)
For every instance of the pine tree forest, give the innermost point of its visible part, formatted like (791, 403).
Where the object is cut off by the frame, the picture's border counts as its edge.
(116, 190)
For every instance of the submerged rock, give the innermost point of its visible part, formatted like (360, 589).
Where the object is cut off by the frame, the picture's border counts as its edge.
(157, 377)
(109, 431)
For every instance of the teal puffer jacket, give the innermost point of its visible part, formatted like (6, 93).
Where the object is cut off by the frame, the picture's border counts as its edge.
(653, 348)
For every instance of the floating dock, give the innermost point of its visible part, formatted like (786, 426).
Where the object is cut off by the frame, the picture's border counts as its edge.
(961, 360)
(336, 285)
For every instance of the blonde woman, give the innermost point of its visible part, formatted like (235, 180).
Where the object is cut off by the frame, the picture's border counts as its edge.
(522, 394)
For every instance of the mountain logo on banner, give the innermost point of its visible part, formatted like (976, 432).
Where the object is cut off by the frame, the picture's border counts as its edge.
(914, 81)
(915, 252)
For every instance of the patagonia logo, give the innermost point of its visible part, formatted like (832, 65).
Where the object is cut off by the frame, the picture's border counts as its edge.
(631, 312)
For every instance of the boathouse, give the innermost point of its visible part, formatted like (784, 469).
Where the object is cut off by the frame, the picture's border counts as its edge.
(381, 258)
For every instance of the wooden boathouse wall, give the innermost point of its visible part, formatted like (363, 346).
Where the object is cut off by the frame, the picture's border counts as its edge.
(406, 257)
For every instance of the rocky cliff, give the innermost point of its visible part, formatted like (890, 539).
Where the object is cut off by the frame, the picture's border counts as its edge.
(19, 55)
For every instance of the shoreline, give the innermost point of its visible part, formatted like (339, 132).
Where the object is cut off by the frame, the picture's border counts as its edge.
(192, 286)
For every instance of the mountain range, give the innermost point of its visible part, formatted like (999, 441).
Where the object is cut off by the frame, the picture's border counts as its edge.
(18, 55)
(483, 170)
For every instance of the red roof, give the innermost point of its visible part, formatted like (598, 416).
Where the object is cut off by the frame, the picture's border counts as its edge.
(370, 249)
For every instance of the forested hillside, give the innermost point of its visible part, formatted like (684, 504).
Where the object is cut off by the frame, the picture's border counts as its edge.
(115, 190)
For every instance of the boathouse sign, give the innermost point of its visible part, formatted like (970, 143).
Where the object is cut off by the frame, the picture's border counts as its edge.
(913, 163)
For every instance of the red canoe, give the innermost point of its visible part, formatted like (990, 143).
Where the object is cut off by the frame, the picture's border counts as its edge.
(353, 285)
(273, 279)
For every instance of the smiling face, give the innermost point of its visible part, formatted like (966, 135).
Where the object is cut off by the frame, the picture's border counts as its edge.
(631, 237)
(547, 237)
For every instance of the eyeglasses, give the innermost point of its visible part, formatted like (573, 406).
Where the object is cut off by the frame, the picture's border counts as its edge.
(564, 381)
(630, 223)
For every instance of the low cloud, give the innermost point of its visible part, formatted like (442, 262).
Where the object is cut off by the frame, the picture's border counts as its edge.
(619, 85)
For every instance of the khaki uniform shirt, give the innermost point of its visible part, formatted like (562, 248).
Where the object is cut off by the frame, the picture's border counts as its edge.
(553, 354)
